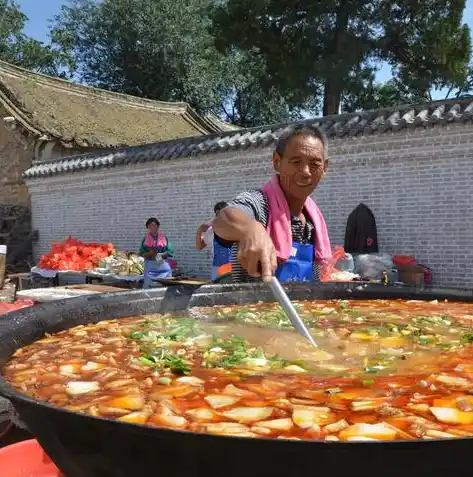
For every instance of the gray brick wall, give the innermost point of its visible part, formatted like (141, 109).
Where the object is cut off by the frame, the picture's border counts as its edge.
(417, 182)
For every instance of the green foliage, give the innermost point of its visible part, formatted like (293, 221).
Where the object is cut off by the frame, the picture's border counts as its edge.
(18, 49)
(164, 50)
(329, 48)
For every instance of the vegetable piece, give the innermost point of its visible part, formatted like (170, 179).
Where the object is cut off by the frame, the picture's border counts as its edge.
(453, 381)
(218, 401)
(452, 416)
(192, 380)
(371, 431)
(226, 428)
(201, 414)
(307, 416)
(284, 424)
(177, 390)
(76, 388)
(92, 366)
(67, 369)
(135, 418)
(233, 390)
(169, 420)
(335, 427)
(132, 402)
(248, 414)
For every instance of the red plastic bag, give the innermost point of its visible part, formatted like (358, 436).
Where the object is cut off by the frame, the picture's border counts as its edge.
(404, 260)
(17, 305)
(328, 268)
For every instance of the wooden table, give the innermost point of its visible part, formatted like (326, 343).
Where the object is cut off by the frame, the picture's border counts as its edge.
(181, 281)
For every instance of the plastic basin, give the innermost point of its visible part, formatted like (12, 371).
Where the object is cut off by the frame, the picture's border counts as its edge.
(26, 459)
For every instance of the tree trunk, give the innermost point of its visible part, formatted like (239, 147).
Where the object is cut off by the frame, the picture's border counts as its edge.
(333, 85)
(332, 97)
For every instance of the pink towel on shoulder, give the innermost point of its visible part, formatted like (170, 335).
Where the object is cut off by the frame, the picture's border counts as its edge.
(153, 242)
(279, 223)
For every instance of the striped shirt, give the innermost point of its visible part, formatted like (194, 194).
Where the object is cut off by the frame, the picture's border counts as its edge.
(255, 205)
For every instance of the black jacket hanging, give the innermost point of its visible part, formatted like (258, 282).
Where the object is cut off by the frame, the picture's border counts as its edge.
(361, 235)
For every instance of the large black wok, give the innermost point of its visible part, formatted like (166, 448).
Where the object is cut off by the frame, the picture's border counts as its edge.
(84, 446)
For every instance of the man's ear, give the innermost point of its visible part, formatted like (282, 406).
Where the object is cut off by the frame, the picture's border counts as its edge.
(326, 166)
(276, 162)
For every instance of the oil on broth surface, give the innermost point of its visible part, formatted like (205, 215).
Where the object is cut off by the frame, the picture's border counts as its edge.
(384, 370)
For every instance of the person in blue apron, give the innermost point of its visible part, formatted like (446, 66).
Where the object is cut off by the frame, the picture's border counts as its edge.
(278, 229)
(155, 249)
(221, 250)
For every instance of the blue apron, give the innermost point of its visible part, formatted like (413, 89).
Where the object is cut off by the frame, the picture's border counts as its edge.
(222, 256)
(155, 270)
(299, 266)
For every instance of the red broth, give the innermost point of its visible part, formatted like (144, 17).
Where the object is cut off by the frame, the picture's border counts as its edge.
(385, 370)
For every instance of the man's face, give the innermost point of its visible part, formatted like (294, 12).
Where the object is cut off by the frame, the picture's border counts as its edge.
(301, 166)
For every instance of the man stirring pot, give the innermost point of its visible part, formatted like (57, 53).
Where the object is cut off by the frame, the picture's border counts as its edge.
(279, 229)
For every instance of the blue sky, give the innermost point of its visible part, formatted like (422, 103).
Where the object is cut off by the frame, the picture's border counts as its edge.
(39, 12)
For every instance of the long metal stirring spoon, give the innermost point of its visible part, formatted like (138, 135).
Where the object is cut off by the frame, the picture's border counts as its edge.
(288, 307)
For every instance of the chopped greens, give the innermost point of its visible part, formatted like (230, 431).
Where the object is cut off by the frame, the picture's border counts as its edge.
(467, 337)
(163, 358)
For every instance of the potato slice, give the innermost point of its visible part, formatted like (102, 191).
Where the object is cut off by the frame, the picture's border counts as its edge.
(179, 390)
(76, 388)
(112, 411)
(92, 366)
(371, 431)
(192, 380)
(225, 427)
(263, 431)
(201, 414)
(453, 381)
(135, 418)
(133, 402)
(232, 390)
(119, 383)
(67, 369)
(449, 415)
(336, 427)
(284, 424)
(248, 414)
(306, 416)
(218, 401)
(169, 420)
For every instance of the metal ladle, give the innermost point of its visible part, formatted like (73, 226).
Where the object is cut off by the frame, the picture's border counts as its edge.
(288, 307)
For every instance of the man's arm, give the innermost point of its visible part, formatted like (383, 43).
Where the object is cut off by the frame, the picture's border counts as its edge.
(232, 224)
(199, 241)
(238, 223)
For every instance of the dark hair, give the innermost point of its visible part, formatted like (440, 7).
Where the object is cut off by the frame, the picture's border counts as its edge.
(219, 206)
(152, 220)
(292, 131)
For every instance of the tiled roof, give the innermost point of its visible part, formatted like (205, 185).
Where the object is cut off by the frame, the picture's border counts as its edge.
(344, 125)
(84, 117)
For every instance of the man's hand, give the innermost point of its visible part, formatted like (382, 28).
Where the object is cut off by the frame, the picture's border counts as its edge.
(256, 252)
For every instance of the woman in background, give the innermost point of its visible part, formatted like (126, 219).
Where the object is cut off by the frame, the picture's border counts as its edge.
(155, 249)
(221, 250)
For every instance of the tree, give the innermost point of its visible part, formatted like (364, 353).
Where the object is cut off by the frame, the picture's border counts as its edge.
(163, 49)
(18, 49)
(330, 47)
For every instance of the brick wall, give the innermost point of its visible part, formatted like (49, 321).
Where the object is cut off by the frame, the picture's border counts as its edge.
(417, 182)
